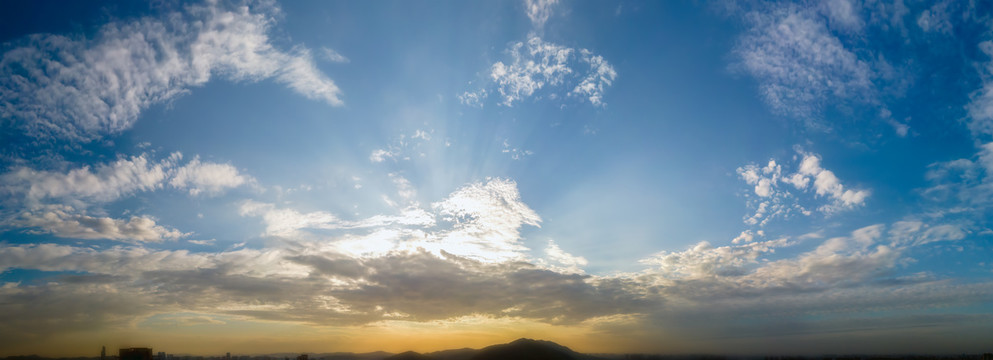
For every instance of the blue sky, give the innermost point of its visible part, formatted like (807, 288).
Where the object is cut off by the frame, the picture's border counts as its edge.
(754, 177)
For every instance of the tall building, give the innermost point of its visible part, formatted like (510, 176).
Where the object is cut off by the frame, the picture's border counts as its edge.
(103, 353)
(135, 354)
(161, 356)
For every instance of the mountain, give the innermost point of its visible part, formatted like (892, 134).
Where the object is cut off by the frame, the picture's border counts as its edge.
(410, 355)
(453, 354)
(528, 349)
(520, 349)
(378, 355)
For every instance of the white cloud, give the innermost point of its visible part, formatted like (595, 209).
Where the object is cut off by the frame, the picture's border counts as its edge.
(380, 155)
(388, 270)
(900, 128)
(404, 189)
(747, 236)
(538, 65)
(539, 11)
(600, 76)
(473, 98)
(103, 182)
(980, 106)
(480, 221)
(773, 200)
(65, 222)
(799, 63)
(968, 181)
(209, 178)
(916, 233)
(936, 19)
(286, 222)
(515, 153)
(300, 73)
(485, 221)
(828, 185)
(533, 67)
(564, 262)
(333, 56)
(403, 147)
(843, 14)
(421, 134)
(82, 88)
(57, 202)
(126, 176)
(706, 261)
(742, 279)
(113, 261)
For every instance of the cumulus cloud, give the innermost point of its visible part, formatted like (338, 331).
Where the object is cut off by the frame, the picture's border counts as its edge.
(843, 274)
(380, 155)
(123, 177)
(776, 193)
(103, 182)
(704, 260)
(469, 259)
(282, 222)
(600, 75)
(533, 66)
(747, 236)
(81, 88)
(826, 184)
(799, 63)
(486, 219)
(209, 178)
(473, 98)
(66, 222)
(304, 286)
(562, 261)
(538, 64)
(479, 221)
(57, 202)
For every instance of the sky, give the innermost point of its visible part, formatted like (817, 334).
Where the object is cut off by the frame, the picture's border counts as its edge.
(673, 177)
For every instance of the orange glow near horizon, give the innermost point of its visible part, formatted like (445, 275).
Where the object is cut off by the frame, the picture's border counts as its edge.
(215, 336)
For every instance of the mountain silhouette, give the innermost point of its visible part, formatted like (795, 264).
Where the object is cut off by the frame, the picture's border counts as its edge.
(453, 354)
(528, 349)
(410, 355)
(520, 349)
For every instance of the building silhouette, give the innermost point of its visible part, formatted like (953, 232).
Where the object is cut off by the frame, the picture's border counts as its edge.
(135, 354)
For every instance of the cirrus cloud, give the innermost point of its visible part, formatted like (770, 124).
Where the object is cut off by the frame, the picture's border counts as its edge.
(82, 88)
